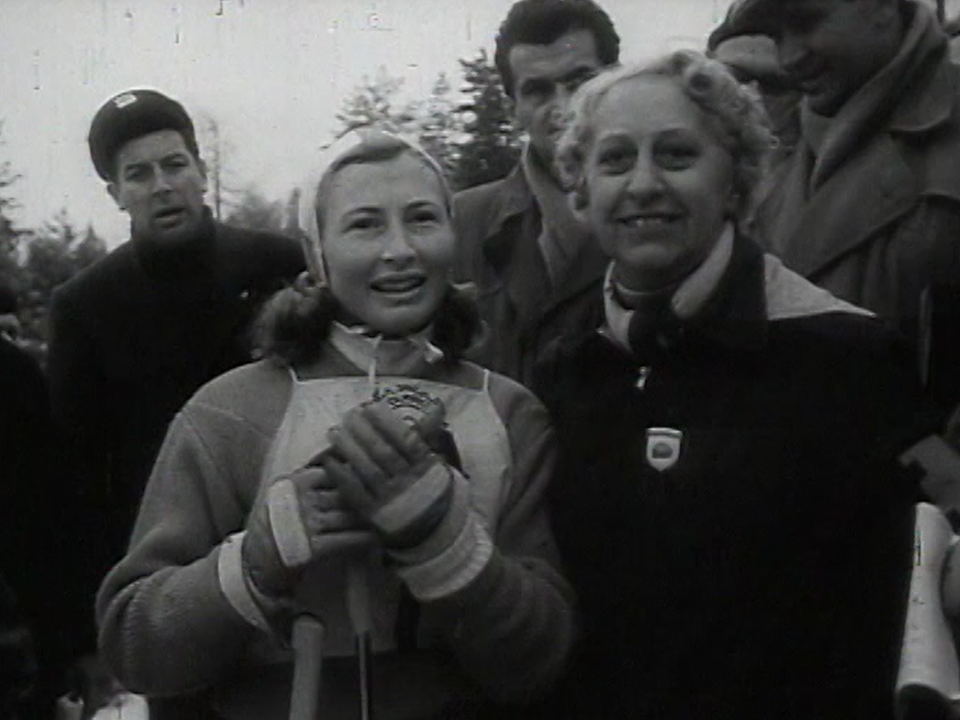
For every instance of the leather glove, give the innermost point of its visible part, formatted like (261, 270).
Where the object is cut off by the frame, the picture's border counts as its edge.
(388, 473)
(302, 518)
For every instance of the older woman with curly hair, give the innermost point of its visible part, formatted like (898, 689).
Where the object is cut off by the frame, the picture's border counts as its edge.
(728, 506)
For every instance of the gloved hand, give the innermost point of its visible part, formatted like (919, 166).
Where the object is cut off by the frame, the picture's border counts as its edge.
(302, 518)
(388, 473)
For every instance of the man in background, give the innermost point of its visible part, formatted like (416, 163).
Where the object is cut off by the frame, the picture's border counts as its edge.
(39, 619)
(868, 204)
(134, 335)
(538, 271)
(753, 60)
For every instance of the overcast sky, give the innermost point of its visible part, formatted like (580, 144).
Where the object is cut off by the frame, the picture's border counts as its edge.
(272, 72)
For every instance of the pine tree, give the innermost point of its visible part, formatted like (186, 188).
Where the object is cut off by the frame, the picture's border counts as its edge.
(441, 125)
(89, 250)
(11, 274)
(492, 146)
(374, 103)
(53, 254)
(254, 211)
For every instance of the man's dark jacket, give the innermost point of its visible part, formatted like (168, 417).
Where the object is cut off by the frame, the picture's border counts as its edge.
(498, 226)
(35, 537)
(883, 229)
(132, 338)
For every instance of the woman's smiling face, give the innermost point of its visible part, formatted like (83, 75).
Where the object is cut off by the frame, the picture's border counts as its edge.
(387, 242)
(658, 181)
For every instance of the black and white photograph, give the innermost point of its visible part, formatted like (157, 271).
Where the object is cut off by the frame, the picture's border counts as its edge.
(494, 360)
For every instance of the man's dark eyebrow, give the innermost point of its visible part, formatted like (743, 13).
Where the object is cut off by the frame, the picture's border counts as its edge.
(136, 165)
(573, 74)
(578, 72)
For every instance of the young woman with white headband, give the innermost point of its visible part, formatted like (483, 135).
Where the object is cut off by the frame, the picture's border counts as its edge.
(361, 440)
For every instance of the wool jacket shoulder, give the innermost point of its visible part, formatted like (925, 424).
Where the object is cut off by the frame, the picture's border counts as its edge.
(131, 340)
(240, 258)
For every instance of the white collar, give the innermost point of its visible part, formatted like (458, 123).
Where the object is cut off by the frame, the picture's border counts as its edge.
(377, 355)
(688, 298)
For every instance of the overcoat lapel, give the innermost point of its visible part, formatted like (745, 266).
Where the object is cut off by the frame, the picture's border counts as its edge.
(846, 212)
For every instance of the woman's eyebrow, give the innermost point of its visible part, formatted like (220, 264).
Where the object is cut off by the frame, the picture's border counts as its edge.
(358, 209)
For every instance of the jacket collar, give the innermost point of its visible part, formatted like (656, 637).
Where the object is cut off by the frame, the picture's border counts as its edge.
(734, 315)
(516, 198)
(880, 185)
(516, 258)
(190, 261)
(930, 102)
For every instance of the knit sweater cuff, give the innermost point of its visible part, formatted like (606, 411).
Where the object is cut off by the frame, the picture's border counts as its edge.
(453, 556)
(234, 584)
(289, 534)
(241, 592)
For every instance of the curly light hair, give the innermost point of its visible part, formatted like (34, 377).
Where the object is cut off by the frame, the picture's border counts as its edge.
(735, 116)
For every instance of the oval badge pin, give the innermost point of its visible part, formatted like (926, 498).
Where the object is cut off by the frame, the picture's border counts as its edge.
(663, 447)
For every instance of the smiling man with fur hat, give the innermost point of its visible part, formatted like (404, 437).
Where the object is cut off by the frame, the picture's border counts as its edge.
(869, 204)
(134, 335)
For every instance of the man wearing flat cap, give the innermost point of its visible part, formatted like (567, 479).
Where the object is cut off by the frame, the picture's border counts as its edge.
(868, 206)
(753, 59)
(134, 335)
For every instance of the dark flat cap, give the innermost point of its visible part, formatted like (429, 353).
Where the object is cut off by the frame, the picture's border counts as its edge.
(130, 115)
(753, 56)
(747, 17)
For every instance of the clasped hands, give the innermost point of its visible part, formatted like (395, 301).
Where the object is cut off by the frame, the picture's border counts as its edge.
(379, 479)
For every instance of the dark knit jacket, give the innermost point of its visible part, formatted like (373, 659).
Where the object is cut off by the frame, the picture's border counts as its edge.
(37, 633)
(132, 338)
(765, 574)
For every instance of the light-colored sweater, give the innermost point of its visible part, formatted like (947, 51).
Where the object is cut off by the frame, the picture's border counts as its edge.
(168, 629)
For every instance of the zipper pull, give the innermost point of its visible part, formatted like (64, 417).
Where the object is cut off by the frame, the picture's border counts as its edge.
(644, 374)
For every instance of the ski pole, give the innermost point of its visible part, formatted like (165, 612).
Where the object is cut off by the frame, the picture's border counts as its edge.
(307, 641)
(358, 608)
